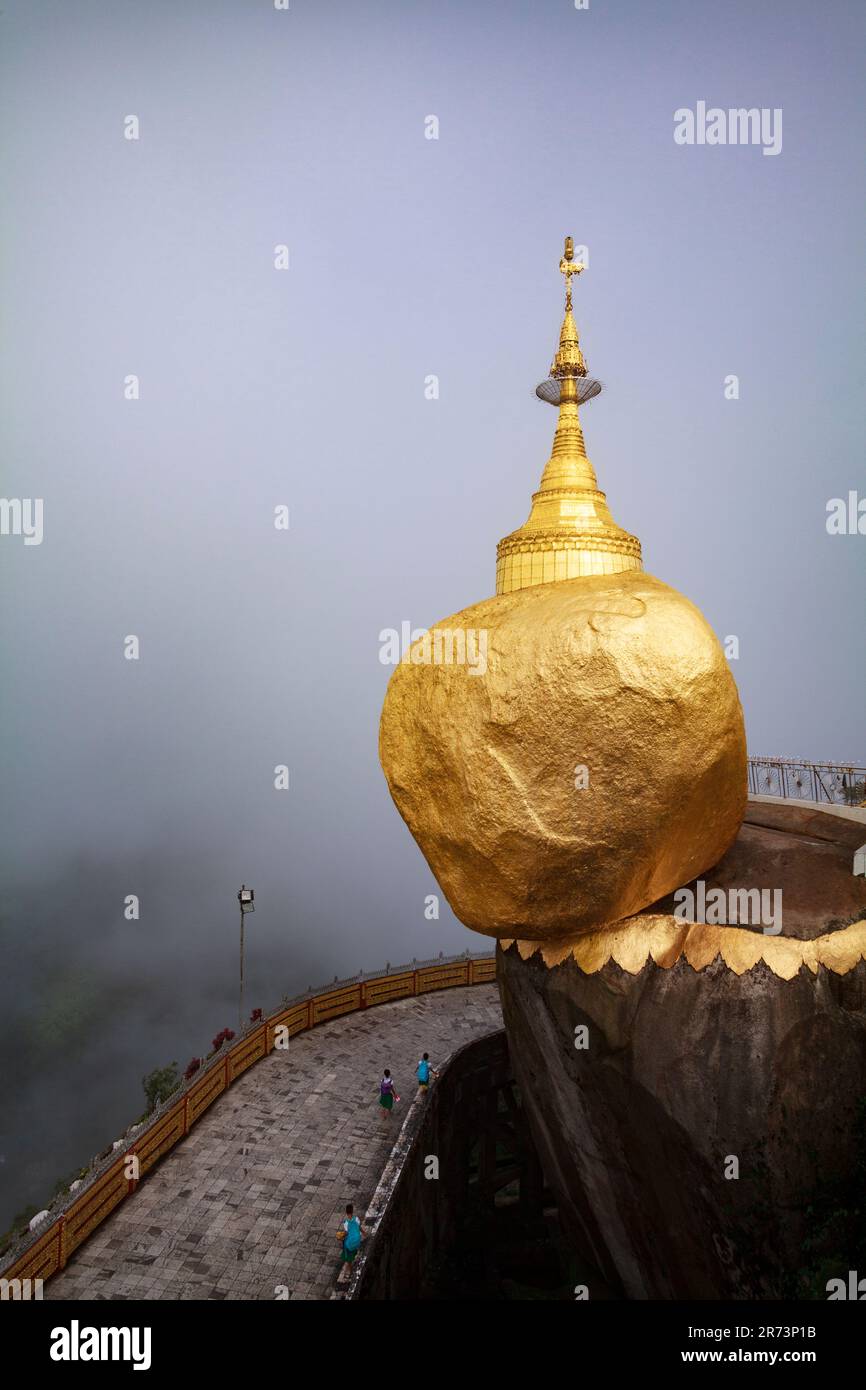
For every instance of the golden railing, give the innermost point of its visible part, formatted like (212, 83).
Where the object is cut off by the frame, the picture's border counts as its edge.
(49, 1249)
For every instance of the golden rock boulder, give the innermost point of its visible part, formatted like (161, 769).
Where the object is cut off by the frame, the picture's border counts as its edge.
(572, 750)
(566, 754)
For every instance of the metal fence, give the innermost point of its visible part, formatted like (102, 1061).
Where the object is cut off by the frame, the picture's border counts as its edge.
(841, 784)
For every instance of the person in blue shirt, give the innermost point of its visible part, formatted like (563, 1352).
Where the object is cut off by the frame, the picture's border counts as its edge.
(351, 1233)
(424, 1071)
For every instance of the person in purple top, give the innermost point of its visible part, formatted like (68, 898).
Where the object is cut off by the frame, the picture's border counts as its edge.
(387, 1093)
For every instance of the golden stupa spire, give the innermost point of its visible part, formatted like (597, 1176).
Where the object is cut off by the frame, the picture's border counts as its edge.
(570, 531)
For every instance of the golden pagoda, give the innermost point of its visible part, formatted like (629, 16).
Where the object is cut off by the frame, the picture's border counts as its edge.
(518, 782)
(569, 532)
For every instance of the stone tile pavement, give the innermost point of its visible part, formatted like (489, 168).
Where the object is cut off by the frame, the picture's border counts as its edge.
(252, 1198)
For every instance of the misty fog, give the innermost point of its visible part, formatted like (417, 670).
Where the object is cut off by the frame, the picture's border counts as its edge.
(260, 388)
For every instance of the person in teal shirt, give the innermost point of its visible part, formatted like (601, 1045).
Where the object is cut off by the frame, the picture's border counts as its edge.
(424, 1071)
(351, 1233)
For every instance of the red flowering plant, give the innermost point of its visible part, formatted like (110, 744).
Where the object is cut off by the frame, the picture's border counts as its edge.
(192, 1068)
(255, 1016)
(225, 1035)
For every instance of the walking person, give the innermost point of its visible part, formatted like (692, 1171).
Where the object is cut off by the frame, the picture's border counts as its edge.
(387, 1093)
(351, 1233)
(424, 1071)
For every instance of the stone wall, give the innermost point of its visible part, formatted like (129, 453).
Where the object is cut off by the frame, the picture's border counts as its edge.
(415, 1218)
(714, 1094)
(685, 1070)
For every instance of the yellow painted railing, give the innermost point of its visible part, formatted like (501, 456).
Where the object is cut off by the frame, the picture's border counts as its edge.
(50, 1249)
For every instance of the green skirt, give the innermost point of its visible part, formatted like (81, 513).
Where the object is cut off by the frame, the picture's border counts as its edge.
(387, 1101)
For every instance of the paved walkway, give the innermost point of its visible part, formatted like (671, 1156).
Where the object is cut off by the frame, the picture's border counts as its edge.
(252, 1198)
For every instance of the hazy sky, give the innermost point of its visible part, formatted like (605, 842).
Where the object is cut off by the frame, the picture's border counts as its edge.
(408, 256)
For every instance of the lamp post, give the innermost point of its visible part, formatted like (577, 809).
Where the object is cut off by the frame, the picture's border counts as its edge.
(246, 899)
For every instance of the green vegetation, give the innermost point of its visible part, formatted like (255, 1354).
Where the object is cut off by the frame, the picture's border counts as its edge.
(159, 1085)
(855, 793)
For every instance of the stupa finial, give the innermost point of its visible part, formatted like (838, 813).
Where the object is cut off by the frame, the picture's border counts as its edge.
(570, 531)
(569, 266)
(569, 360)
